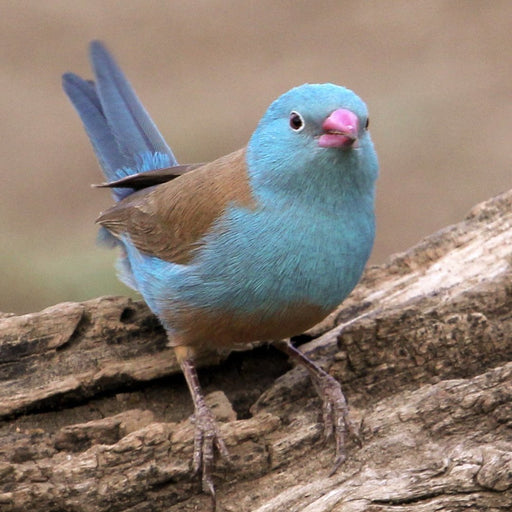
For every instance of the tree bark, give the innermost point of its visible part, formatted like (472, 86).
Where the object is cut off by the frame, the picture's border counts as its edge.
(95, 417)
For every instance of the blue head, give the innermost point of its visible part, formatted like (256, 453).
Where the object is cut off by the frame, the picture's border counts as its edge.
(313, 136)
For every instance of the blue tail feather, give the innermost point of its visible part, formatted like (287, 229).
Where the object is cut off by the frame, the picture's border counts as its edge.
(127, 117)
(86, 101)
(124, 137)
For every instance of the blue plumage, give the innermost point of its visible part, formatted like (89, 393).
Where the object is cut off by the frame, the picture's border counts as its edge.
(260, 244)
(310, 237)
(124, 137)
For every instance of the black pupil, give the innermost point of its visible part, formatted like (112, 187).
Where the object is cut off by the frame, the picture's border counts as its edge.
(367, 123)
(295, 121)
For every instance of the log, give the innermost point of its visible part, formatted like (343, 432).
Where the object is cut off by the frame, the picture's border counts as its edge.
(95, 417)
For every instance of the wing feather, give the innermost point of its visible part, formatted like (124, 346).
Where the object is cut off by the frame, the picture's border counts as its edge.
(169, 220)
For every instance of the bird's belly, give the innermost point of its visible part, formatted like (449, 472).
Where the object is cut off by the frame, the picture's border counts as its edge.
(208, 328)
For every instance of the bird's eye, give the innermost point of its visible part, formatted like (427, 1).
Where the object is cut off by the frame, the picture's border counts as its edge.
(296, 121)
(367, 123)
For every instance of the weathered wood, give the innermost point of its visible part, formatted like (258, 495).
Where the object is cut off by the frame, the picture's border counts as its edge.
(76, 350)
(93, 419)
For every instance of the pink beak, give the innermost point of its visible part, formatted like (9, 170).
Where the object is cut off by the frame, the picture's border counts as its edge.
(341, 129)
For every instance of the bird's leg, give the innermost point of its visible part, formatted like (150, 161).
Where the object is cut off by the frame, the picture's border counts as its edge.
(207, 435)
(335, 411)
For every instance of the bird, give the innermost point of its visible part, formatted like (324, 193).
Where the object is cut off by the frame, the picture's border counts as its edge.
(257, 245)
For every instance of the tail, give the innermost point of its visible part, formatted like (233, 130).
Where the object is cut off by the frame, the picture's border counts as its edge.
(124, 137)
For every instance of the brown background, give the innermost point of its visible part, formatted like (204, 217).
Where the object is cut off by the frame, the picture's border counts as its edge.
(436, 76)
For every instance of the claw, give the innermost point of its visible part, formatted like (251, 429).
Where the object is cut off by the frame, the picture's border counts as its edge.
(335, 412)
(207, 436)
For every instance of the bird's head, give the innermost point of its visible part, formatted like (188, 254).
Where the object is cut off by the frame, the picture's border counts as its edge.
(313, 129)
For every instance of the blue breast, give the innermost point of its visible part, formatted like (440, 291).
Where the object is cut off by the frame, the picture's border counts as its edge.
(274, 256)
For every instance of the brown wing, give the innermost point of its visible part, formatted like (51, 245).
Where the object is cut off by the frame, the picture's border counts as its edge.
(168, 220)
(150, 178)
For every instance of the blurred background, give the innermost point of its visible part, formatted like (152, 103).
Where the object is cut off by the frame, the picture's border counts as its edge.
(435, 74)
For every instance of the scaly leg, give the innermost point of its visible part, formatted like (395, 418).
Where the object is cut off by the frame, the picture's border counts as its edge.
(207, 435)
(335, 411)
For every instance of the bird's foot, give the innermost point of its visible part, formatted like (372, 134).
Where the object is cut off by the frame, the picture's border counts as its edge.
(335, 415)
(335, 412)
(207, 438)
